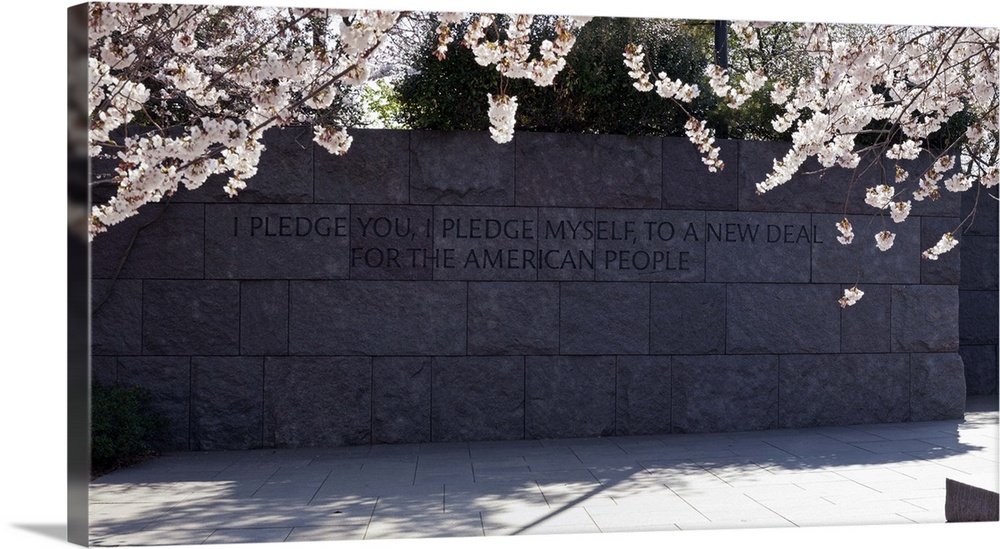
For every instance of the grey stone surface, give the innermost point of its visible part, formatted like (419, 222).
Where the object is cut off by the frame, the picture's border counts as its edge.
(253, 241)
(190, 317)
(861, 261)
(374, 170)
(650, 245)
(284, 174)
(566, 243)
(946, 269)
(687, 318)
(401, 400)
(609, 171)
(948, 204)
(925, 318)
(687, 183)
(783, 318)
(642, 395)
(967, 503)
(317, 401)
(866, 326)
(979, 261)
(983, 209)
(844, 389)
(103, 369)
(460, 168)
(758, 247)
(169, 243)
(724, 393)
(377, 318)
(937, 386)
(604, 318)
(391, 242)
(981, 367)
(478, 398)
(486, 243)
(264, 317)
(116, 318)
(168, 380)
(513, 318)
(227, 403)
(569, 396)
(977, 313)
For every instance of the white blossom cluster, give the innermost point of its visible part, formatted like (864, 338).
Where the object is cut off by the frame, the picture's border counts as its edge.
(914, 79)
(509, 50)
(946, 243)
(851, 296)
(735, 96)
(182, 92)
(501, 112)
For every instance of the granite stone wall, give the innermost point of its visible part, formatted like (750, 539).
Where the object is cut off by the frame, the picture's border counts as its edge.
(440, 287)
(977, 294)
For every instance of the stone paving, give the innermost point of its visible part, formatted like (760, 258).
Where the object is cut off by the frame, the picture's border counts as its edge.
(855, 475)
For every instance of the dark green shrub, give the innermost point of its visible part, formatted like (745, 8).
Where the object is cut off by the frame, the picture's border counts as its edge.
(122, 426)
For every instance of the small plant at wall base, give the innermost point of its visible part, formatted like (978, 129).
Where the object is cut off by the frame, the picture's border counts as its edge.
(122, 427)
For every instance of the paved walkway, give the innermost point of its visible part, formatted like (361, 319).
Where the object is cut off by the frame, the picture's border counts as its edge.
(869, 474)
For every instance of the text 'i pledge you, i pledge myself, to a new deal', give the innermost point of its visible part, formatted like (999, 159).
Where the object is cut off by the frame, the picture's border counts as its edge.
(642, 240)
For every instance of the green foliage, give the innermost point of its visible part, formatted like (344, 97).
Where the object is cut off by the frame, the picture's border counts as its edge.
(593, 94)
(122, 426)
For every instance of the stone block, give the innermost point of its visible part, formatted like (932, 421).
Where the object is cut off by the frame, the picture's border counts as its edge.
(650, 245)
(257, 241)
(757, 247)
(317, 401)
(570, 170)
(937, 386)
(485, 243)
(478, 398)
(866, 326)
(925, 318)
(687, 319)
(375, 170)
(782, 318)
(967, 503)
(844, 389)
(103, 370)
(169, 243)
(391, 242)
(977, 316)
(401, 400)
(687, 183)
(946, 269)
(861, 261)
(226, 403)
(984, 211)
(191, 317)
(569, 397)
(979, 261)
(724, 393)
(264, 317)
(460, 168)
(168, 380)
(981, 367)
(566, 243)
(116, 320)
(377, 318)
(642, 395)
(513, 318)
(597, 318)
(284, 173)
